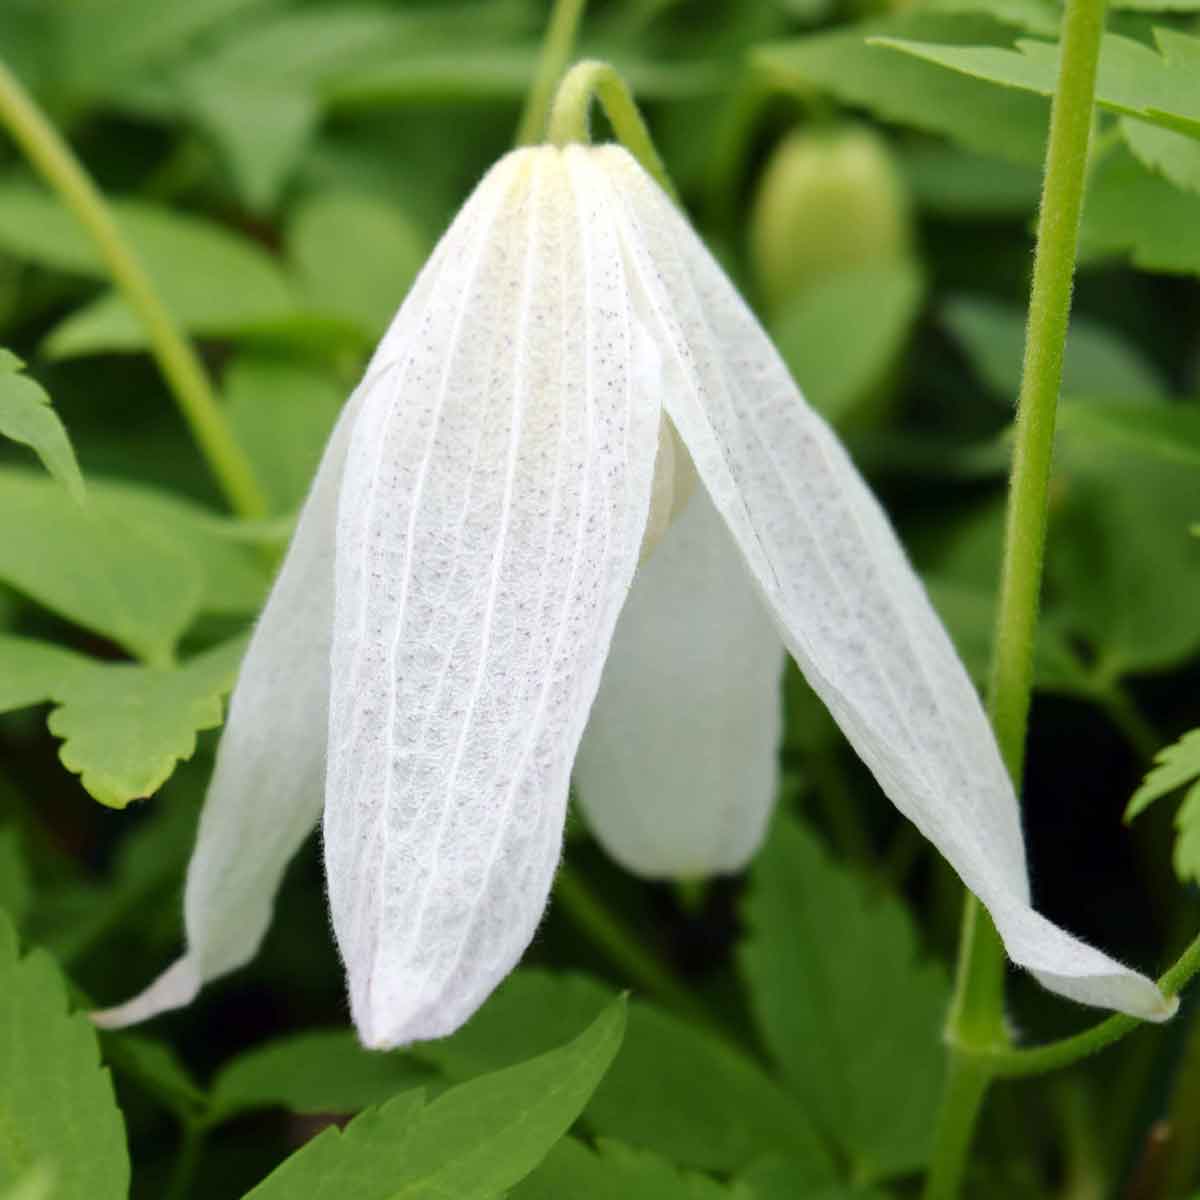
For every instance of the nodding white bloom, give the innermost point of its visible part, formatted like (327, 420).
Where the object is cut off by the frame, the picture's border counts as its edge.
(431, 663)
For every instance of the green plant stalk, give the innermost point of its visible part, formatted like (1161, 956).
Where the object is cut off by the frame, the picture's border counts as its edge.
(1183, 1118)
(53, 158)
(977, 1012)
(557, 46)
(1005, 1063)
(569, 117)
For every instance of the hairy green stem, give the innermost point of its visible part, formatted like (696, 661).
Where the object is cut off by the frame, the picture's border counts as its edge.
(623, 949)
(977, 1013)
(570, 117)
(1038, 1060)
(53, 158)
(556, 51)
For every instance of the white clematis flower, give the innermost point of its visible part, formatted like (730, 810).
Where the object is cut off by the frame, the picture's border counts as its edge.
(430, 654)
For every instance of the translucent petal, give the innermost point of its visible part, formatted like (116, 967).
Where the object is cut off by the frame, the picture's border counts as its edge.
(855, 616)
(677, 770)
(265, 794)
(496, 496)
(268, 784)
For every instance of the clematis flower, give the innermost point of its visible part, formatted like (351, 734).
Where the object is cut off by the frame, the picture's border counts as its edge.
(572, 380)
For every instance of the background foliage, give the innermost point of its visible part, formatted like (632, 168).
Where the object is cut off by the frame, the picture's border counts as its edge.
(283, 168)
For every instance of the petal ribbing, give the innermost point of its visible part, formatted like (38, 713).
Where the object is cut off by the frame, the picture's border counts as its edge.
(855, 616)
(677, 769)
(267, 788)
(496, 496)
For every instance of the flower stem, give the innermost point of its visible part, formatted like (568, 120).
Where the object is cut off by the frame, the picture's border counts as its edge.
(569, 118)
(977, 1012)
(556, 50)
(53, 158)
(1038, 1060)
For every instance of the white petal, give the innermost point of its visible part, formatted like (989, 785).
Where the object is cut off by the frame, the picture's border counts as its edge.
(265, 794)
(495, 501)
(855, 616)
(268, 783)
(677, 769)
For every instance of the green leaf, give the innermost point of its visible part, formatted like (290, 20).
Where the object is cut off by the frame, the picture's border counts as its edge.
(1162, 88)
(1097, 362)
(26, 416)
(1173, 155)
(1170, 432)
(906, 91)
(281, 413)
(35, 1184)
(355, 256)
(953, 183)
(214, 282)
(256, 94)
(16, 886)
(1132, 211)
(156, 1066)
(123, 727)
(779, 1179)
(649, 1097)
(969, 614)
(57, 1109)
(842, 338)
(613, 1170)
(1174, 766)
(818, 945)
(1122, 566)
(137, 565)
(100, 43)
(322, 1071)
(124, 581)
(1186, 858)
(473, 1142)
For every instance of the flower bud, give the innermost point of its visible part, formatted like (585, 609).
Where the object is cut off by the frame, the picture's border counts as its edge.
(828, 201)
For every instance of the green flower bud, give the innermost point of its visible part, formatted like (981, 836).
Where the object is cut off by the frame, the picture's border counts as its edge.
(829, 201)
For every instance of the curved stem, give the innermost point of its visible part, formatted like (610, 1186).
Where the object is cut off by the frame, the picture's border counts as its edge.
(569, 118)
(53, 158)
(556, 50)
(977, 1013)
(1037, 1060)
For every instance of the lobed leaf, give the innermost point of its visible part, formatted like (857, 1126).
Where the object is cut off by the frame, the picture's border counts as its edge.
(473, 1142)
(1162, 88)
(817, 947)
(1132, 211)
(214, 282)
(906, 91)
(26, 416)
(123, 727)
(322, 1071)
(1174, 766)
(57, 1109)
(612, 1170)
(1097, 361)
(649, 1097)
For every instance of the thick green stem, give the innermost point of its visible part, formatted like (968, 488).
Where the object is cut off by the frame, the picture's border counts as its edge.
(53, 158)
(976, 1018)
(570, 117)
(556, 52)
